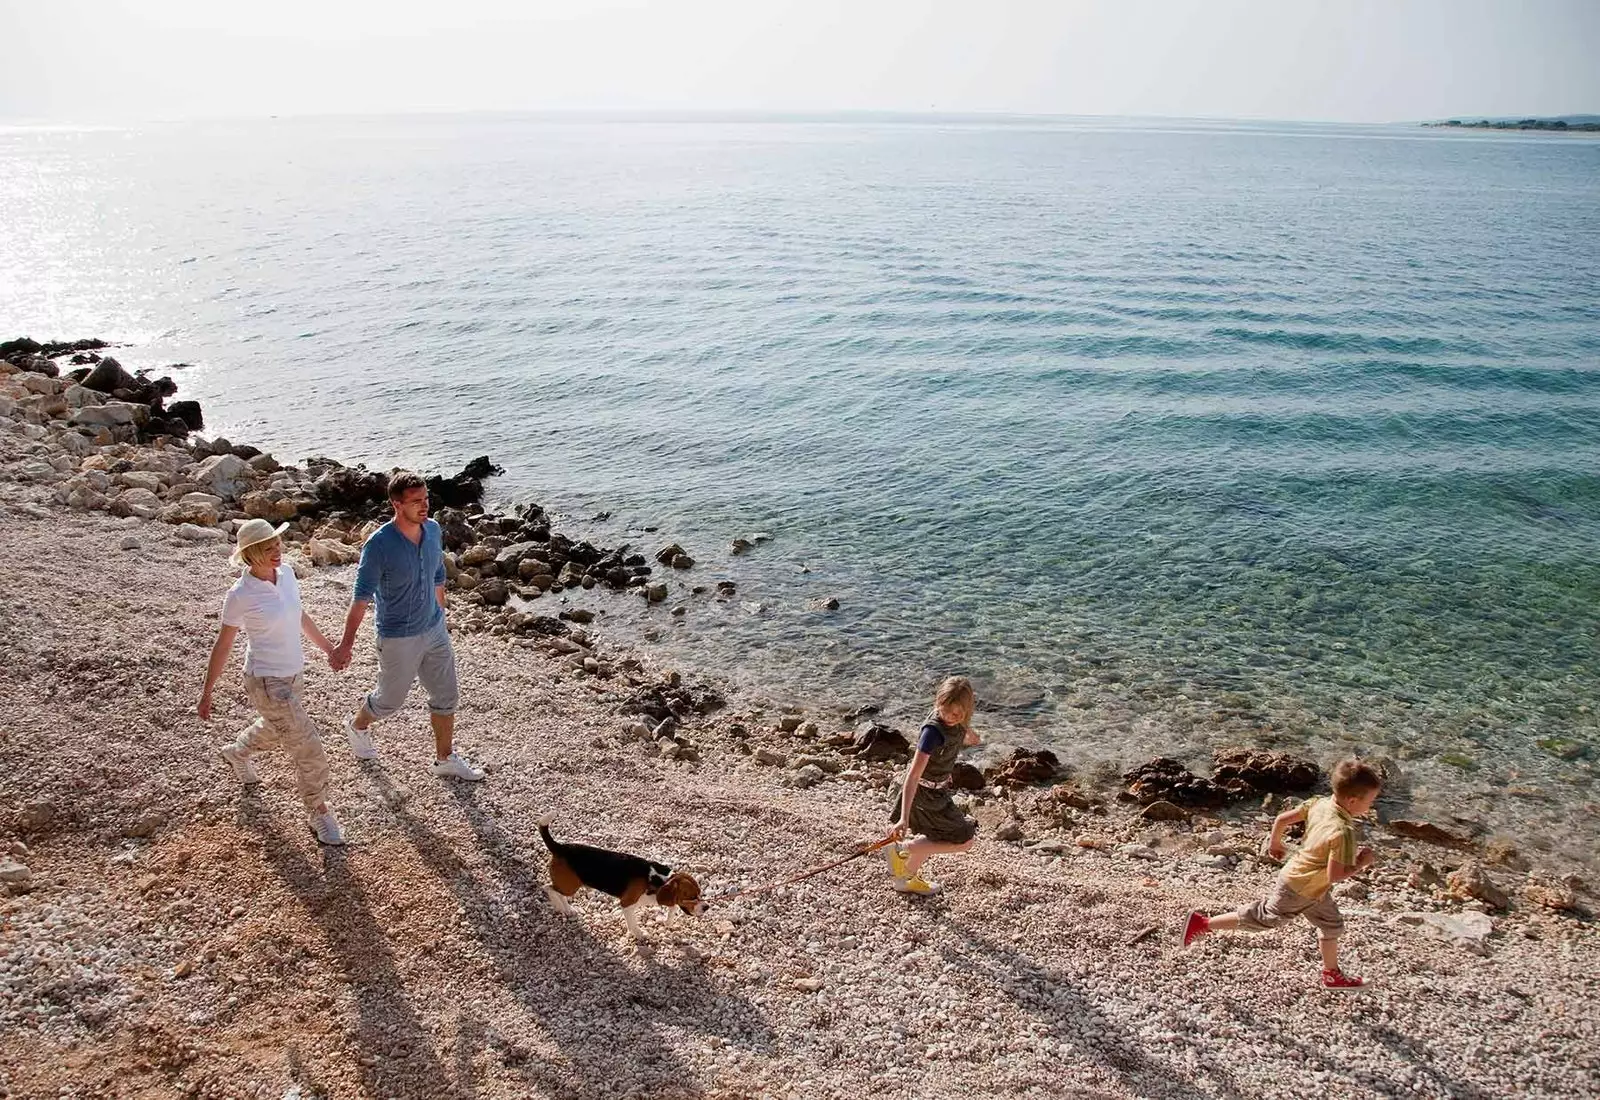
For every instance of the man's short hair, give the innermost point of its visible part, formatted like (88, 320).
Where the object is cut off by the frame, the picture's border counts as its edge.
(402, 482)
(1355, 778)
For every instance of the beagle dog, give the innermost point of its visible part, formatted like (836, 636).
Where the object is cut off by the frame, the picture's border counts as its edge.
(629, 879)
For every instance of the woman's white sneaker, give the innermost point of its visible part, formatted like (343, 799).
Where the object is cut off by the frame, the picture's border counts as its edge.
(454, 767)
(325, 827)
(238, 758)
(360, 741)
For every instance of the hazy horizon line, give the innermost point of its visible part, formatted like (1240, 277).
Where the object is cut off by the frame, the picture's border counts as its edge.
(739, 114)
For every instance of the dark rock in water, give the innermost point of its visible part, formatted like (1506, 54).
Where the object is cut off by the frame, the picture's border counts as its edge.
(1433, 834)
(1247, 773)
(84, 357)
(108, 377)
(728, 588)
(245, 451)
(53, 348)
(578, 615)
(19, 347)
(464, 488)
(1165, 778)
(189, 413)
(863, 711)
(667, 553)
(965, 777)
(880, 742)
(1025, 768)
(481, 468)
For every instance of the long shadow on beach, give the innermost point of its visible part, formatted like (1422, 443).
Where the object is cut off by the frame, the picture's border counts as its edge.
(333, 896)
(607, 1018)
(1071, 1013)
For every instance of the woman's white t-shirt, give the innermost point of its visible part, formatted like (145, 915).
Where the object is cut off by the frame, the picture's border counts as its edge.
(270, 616)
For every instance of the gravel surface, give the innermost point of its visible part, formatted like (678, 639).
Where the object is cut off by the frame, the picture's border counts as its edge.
(169, 934)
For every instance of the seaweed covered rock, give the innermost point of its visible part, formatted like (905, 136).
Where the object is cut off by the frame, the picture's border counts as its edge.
(1166, 779)
(1024, 768)
(1246, 772)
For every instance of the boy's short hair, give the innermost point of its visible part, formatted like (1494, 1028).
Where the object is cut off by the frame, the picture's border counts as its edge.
(1355, 777)
(955, 691)
(403, 481)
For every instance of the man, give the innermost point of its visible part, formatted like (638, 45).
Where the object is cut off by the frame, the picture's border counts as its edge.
(402, 565)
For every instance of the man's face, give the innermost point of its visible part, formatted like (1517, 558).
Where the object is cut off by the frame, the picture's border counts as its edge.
(412, 505)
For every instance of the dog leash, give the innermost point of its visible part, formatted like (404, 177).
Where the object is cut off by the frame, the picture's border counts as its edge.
(869, 849)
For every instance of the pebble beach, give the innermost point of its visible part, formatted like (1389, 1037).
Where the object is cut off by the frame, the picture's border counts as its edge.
(164, 932)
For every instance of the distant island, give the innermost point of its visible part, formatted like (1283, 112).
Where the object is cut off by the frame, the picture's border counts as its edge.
(1563, 123)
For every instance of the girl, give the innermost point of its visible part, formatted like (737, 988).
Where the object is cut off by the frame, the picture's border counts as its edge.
(923, 800)
(265, 601)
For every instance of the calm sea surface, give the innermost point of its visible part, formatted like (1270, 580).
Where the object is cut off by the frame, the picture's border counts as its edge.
(1171, 434)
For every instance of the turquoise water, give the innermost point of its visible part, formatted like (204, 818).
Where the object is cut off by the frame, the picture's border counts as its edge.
(1171, 434)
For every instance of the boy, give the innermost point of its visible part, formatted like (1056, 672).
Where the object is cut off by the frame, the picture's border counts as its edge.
(1328, 855)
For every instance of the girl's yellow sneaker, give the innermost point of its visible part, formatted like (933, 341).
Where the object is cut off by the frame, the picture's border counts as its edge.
(897, 860)
(917, 885)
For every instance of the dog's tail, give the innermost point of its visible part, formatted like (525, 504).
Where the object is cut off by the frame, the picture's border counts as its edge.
(544, 832)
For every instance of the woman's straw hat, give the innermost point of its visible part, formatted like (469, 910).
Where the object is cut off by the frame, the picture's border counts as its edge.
(252, 531)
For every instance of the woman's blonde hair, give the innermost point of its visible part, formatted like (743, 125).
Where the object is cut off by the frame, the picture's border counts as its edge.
(956, 691)
(257, 552)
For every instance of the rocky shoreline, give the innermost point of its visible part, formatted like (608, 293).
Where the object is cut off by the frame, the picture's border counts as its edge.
(1065, 912)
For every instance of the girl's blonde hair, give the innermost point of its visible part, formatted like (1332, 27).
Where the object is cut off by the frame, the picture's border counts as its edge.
(257, 552)
(956, 691)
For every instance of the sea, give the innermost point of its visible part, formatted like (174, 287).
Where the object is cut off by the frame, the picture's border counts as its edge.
(1170, 434)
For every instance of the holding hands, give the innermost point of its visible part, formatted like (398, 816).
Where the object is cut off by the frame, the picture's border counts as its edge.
(339, 657)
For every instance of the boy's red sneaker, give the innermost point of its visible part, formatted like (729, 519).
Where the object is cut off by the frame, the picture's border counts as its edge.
(1198, 926)
(1341, 982)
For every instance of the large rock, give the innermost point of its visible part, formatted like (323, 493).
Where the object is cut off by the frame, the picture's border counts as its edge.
(1165, 778)
(108, 377)
(1024, 768)
(199, 508)
(143, 479)
(494, 592)
(189, 413)
(193, 532)
(270, 504)
(1470, 930)
(112, 414)
(880, 742)
(1246, 772)
(1470, 880)
(326, 552)
(78, 397)
(223, 475)
(136, 502)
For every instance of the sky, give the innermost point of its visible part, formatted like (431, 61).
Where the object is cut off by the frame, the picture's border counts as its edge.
(1314, 60)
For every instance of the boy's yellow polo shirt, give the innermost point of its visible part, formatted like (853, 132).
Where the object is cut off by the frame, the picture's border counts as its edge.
(1329, 831)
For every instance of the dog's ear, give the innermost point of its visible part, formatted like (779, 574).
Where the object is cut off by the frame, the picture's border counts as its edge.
(669, 892)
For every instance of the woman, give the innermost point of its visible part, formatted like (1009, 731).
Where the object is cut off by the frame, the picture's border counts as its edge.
(265, 601)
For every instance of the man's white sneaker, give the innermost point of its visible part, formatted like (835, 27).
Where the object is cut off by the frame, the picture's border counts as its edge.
(326, 828)
(238, 758)
(360, 741)
(453, 767)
